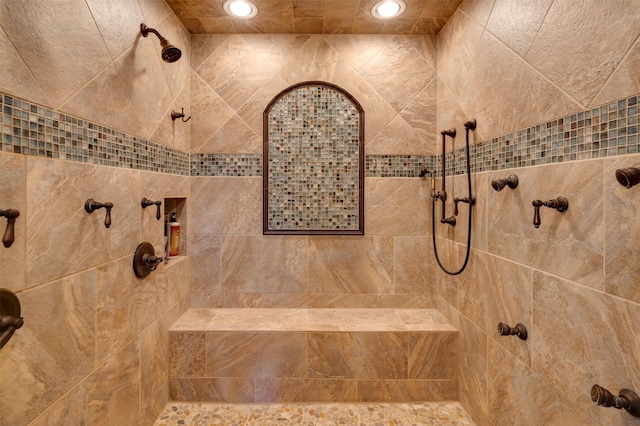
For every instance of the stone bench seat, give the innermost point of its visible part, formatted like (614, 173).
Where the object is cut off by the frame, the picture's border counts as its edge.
(313, 355)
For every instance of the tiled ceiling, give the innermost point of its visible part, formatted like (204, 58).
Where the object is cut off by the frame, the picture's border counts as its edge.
(421, 17)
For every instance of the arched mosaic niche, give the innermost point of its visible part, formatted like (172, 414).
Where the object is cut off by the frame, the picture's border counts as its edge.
(313, 179)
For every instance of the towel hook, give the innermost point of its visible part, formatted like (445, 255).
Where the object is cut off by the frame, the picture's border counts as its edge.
(175, 115)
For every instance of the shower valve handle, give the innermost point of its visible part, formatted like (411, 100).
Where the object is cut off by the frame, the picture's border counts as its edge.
(9, 233)
(519, 330)
(91, 205)
(146, 203)
(627, 399)
(457, 200)
(153, 260)
(561, 204)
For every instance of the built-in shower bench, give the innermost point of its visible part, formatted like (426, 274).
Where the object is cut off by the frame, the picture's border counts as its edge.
(313, 355)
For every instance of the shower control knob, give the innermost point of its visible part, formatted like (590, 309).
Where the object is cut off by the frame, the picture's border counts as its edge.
(519, 330)
(627, 399)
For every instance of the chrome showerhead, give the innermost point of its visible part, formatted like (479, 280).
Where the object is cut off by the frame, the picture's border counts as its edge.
(170, 53)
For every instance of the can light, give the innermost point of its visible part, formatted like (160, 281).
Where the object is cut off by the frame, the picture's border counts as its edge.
(387, 9)
(242, 9)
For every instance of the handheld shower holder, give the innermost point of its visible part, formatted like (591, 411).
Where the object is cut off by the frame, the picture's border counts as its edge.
(9, 233)
(561, 204)
(511, 182)
(628, 177)
(91, 205)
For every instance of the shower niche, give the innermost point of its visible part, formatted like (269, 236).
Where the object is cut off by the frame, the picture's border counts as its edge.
(313, 176)
(175, 216)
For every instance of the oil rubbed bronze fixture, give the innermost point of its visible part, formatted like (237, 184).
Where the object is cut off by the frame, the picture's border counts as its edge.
(146, 203)
(442, 196)
(91, 205)
(9, 234)
(145, 260)
(627, 399)
(176, 115)
(511, 182)
(170, 53)
(561, 204)
(10, 319)
(519, 330)
(628, 177)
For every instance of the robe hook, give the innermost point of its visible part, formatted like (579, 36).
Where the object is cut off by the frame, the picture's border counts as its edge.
(175, 115)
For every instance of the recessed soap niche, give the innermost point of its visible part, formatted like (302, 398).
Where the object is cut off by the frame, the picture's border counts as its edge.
(179, 207)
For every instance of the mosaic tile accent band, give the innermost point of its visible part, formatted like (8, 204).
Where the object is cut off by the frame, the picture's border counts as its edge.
(30, 129)
(226, 165)
(313, 161)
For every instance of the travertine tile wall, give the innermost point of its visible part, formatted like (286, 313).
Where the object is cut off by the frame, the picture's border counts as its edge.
(574, 281)
(93, 349)
(234, 77)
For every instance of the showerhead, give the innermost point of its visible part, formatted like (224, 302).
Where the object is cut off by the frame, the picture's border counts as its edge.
(170, 53)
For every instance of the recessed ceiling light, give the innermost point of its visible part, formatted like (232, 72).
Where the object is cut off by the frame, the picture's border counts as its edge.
(387, 9)
(242, 9)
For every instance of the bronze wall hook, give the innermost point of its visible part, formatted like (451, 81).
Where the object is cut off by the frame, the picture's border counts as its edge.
(519, 330)
(9, 233)
(628, 177)
(176, 115)
(561, 204)
(91, 205)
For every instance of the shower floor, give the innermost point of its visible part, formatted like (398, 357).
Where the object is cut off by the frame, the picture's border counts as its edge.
(362, 414)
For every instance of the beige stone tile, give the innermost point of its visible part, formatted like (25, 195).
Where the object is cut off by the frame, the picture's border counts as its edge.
(208, 112)
(20, 81)
(154, 406)
(358, 49)
(236, 61)
(121, 295)
(112, 391)
(69, 409)
(398, 73)
(519, 396)
(493, 101)
(194, 320)
(494, 290)
(433, 356)
(473, 364)
(154, 11)
(451, 256)
(59, 70)
(569, 244)
(12, 194)
(582, 39)
(398, 137)
(479, 10)
(219, 389)
(53, 350)
(235, 136)
(414, 268)
(406, 390)
(358, 355)
(175, 133)
(302, 390)
(140, 67)
(350, 265)
(424, 320)
(457, 44)
(176, 274)
(516, 24)
(622, 232)
(226, 205)
(205, 263)
(244, 267)
(56, 195)
(259, 320)
(625, 80)
(276, 49)
(386, 197)
(599, 347)
(421, 115)
(187, 354)
(237, 354)
(118, 22)
(203, 45)
(252, 112)
(449, 115)
(115, 110)
(354, 320)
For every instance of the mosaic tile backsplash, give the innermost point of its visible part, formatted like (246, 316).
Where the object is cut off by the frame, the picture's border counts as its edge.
(35, 130)
(603, 131)
(313, 164)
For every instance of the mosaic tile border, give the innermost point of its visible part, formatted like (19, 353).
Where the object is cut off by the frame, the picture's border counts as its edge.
(246, 165)
(398, 165)
(30, 129)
